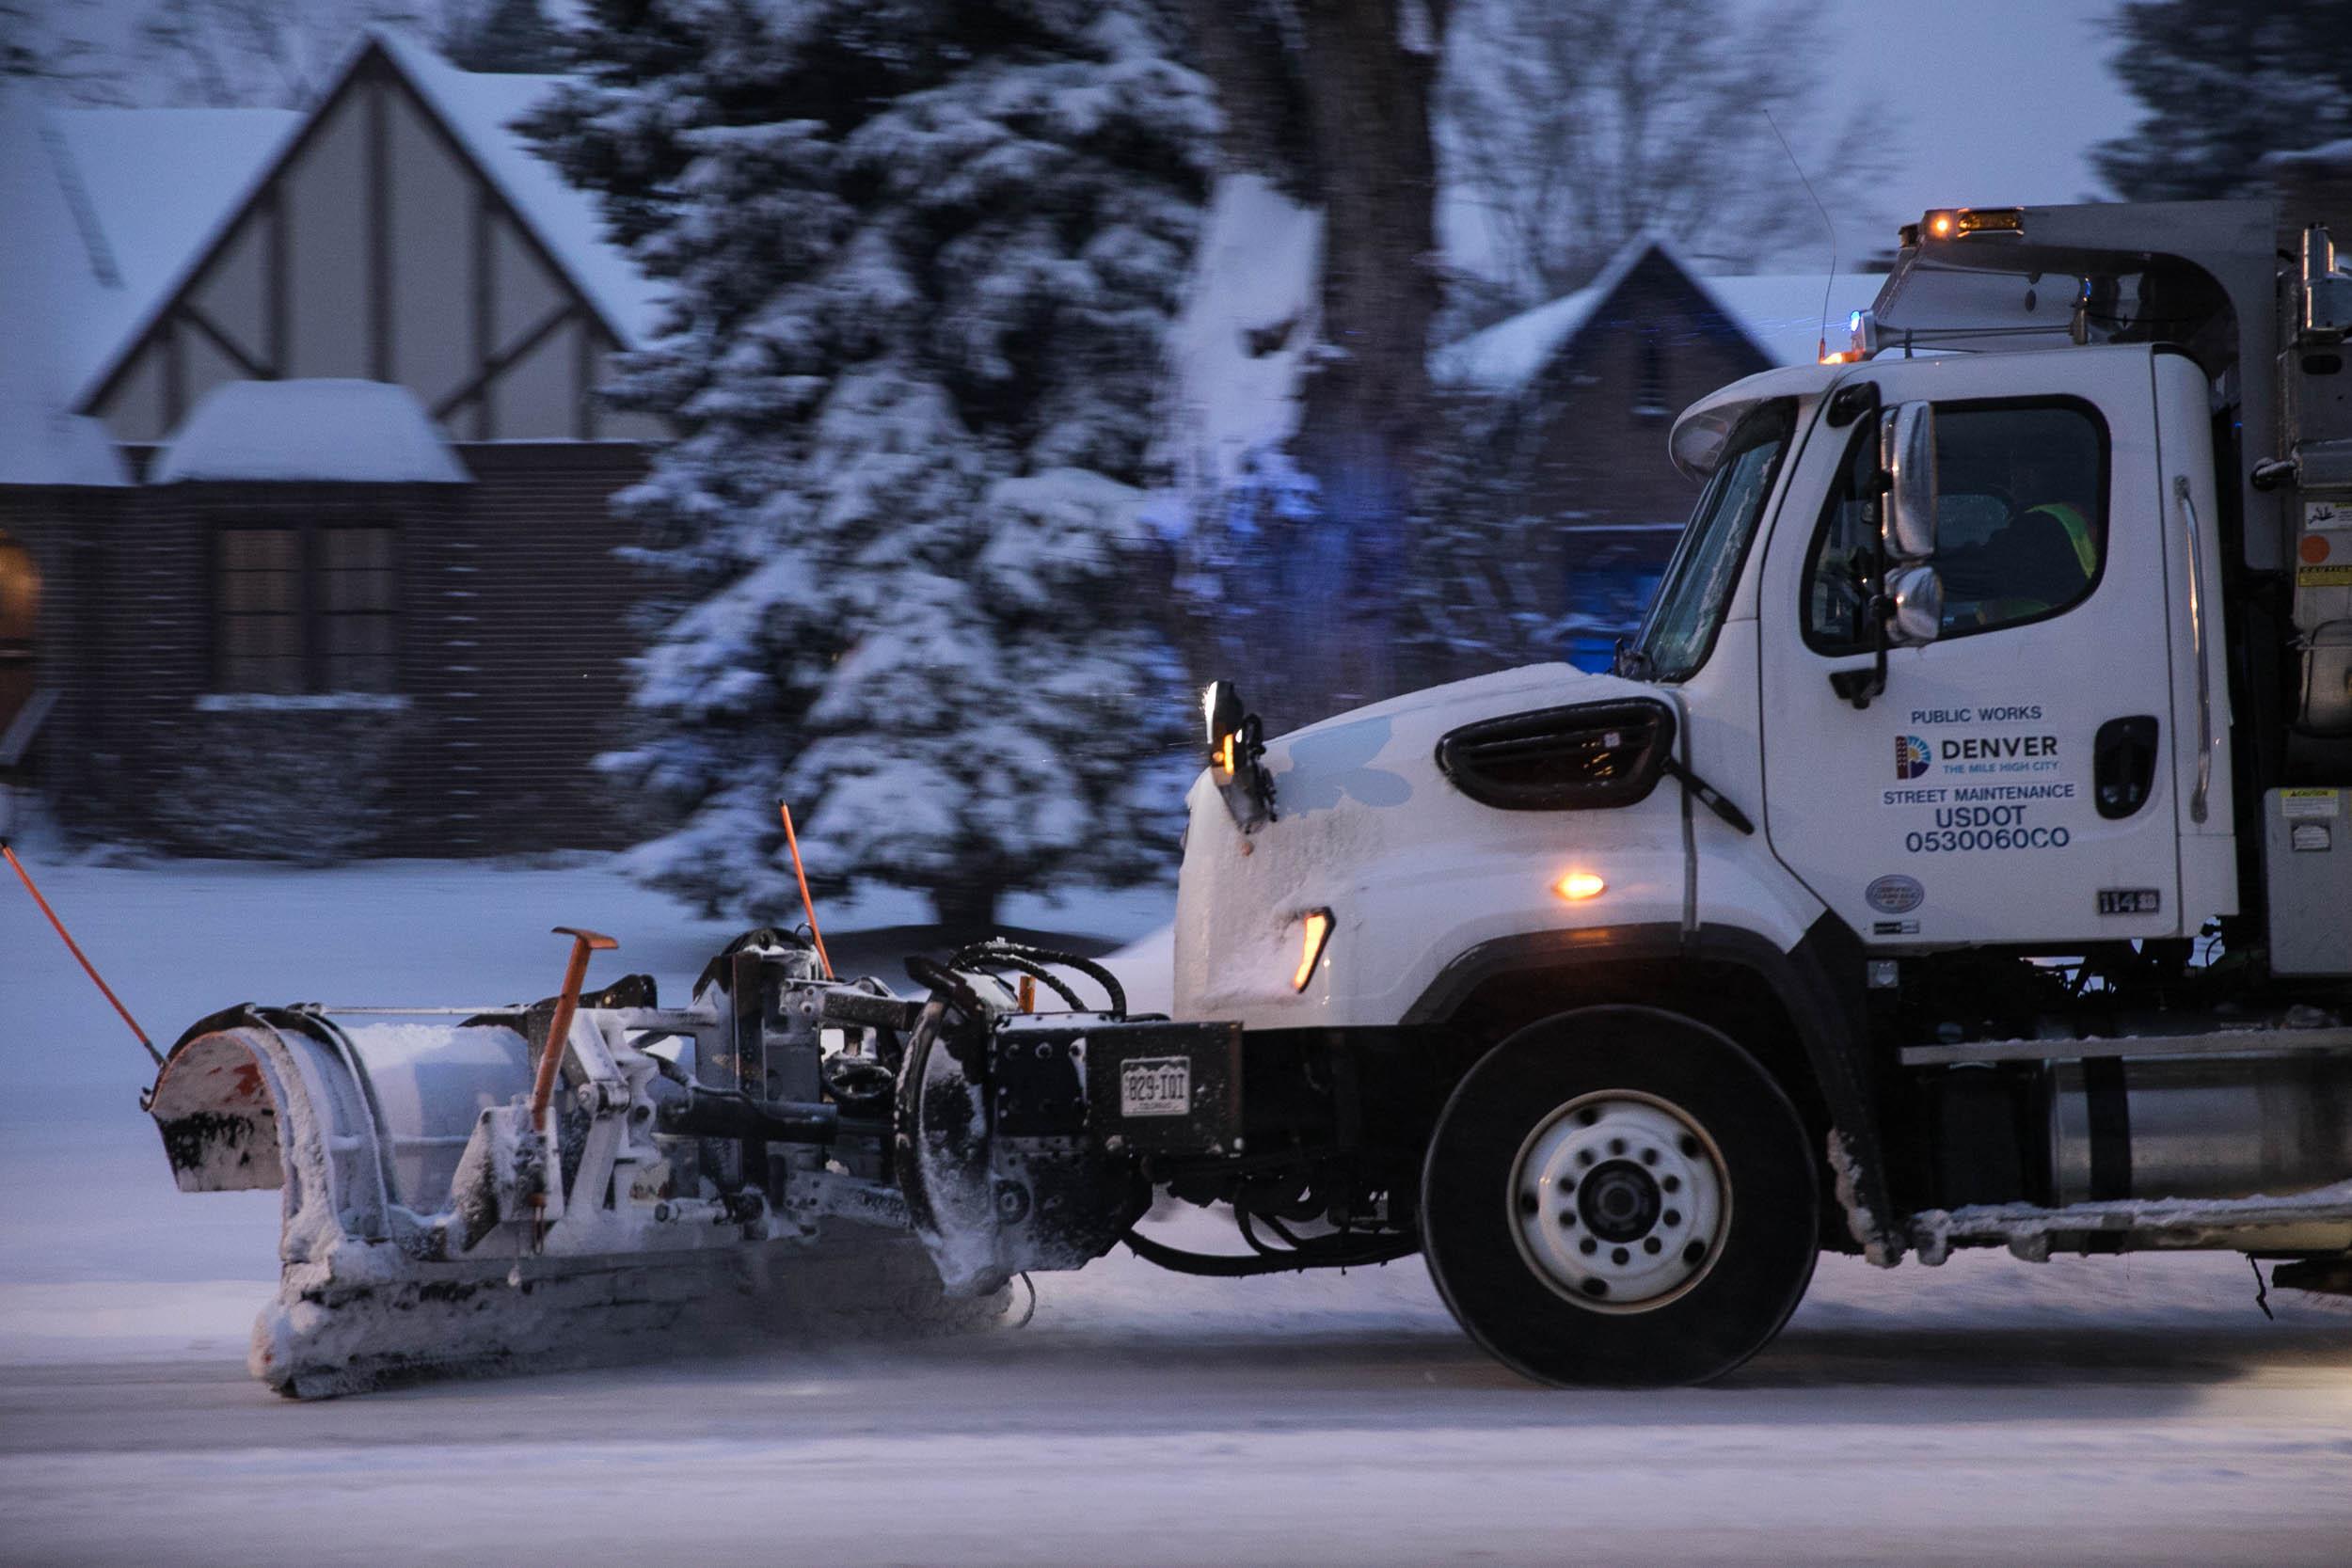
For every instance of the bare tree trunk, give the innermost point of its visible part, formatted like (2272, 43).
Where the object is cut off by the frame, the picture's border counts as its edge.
(1332, 101)
(1366, 407)
(1242, 49)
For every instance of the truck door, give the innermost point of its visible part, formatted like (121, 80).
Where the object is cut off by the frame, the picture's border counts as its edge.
(2014, 781)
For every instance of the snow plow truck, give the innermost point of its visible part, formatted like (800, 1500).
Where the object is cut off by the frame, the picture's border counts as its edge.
(1958, 856)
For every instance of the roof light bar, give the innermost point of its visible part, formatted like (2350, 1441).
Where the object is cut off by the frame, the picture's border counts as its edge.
(1958, 223)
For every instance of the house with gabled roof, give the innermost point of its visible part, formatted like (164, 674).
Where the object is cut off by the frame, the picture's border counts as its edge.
(305, 535)
(1585, 388)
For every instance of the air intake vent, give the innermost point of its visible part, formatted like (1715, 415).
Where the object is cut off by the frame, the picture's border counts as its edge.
(1579, 758)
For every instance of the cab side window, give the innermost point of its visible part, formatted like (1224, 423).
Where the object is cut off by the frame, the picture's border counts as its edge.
(2021, 521)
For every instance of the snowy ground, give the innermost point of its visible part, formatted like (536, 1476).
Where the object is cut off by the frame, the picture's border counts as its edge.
(2125, 1411)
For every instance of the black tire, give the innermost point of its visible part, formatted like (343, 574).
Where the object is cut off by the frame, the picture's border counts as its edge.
(1539, 1091)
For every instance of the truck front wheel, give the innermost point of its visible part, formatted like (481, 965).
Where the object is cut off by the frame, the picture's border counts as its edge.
(1620, 1195)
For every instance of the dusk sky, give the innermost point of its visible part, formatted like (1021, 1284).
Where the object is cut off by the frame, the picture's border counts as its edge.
(1989, 101)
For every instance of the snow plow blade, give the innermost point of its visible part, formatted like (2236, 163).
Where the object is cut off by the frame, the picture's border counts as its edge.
(594, 1177)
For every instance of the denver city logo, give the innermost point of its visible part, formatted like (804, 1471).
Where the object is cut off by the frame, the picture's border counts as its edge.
(1911, 756)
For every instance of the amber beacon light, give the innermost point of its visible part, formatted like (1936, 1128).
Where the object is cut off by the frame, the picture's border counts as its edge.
(1577, 886)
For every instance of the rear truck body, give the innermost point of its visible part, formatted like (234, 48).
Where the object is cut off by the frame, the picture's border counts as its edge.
(1960, 856)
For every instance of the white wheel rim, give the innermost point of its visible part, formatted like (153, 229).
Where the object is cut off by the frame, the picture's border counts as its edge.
(1619, 1202)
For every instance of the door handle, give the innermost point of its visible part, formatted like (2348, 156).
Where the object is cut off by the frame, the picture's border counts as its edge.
(2205, 739)
(2123, 765)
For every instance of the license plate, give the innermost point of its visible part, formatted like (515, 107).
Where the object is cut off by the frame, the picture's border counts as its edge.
(1156, 1086)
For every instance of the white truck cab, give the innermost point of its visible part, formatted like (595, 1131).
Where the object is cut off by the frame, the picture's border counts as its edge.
(1959, 855)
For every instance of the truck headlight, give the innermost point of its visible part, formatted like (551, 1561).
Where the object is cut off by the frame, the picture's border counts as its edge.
(1315, 934)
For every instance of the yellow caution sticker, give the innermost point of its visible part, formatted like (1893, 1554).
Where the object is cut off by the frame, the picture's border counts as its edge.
(2323, 577)
(2309, 802)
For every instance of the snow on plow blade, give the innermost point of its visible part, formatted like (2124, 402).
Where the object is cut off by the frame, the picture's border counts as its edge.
(575, 1178)
(431, 1229)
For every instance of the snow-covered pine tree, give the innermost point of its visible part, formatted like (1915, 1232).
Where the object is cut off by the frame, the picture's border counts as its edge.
(501, 36)
(2225, 83)
(922, 254)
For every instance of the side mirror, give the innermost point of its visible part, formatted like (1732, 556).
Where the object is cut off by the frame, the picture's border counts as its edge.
(1221, 716)
(1907, 452)
(1916, 595)
(1235, 741)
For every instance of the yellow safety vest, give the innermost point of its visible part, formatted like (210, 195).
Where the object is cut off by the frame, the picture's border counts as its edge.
(2077, 531)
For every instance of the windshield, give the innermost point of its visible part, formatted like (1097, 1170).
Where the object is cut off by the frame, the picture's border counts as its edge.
(1680, 631)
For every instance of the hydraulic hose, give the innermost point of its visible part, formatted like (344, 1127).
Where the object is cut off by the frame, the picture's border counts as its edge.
(998, 947)
(1224, 1267)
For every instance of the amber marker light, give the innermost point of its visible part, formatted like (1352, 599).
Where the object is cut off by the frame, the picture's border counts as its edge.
(1314, 931)
(1577, 886)
(1955, 222)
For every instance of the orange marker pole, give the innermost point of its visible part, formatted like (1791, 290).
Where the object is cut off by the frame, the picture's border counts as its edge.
(566, 1004)
(76, 948)
(792, 840)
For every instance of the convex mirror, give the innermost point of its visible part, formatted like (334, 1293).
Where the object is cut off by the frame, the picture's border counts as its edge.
(1916, 597)
(1907, 452)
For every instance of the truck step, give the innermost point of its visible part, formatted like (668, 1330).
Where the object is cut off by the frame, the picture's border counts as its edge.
(2225, 1042)
(2178, 1220)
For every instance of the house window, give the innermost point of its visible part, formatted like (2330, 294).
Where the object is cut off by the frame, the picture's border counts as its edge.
(305, 609)
(20, 611)
(356, 650)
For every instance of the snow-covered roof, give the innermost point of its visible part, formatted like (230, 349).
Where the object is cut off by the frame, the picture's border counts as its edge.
(1781, 315)
(41, 446)
(103, 209)
(1505, 357)
(155, 186)
(148, 192)
(1782, 311)
(349, 432)
(480, 110)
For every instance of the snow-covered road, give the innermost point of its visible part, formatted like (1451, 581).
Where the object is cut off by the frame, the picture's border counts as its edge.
(2128, 1411)
(1981, 1415)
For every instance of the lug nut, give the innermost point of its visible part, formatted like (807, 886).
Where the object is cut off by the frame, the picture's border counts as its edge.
(1672, 1183)
(1649, 1156)
(1588, 1246)
(1621, 1257)
(1583, 1156)
(1616, 1146)
(1568, 1219)
(1672, 1216)
(1650, 1244)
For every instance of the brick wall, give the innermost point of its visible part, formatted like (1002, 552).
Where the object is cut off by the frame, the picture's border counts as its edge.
(526, 646)
(513, 635)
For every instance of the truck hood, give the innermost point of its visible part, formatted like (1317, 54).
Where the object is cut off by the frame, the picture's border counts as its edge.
(1409, 870)
(1306, 762)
